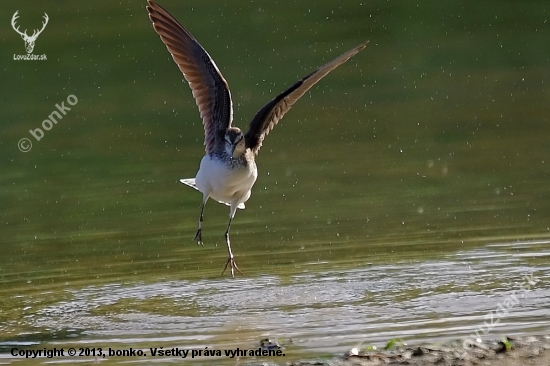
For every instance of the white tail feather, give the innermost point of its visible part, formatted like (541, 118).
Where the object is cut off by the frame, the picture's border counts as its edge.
(191, 183)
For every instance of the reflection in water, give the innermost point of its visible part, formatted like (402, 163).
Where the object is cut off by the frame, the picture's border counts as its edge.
(326, 311)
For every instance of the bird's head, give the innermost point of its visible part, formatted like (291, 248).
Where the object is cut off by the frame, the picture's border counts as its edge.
(234, 142)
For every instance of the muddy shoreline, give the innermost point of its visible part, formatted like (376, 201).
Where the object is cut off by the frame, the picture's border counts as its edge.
(513, 351)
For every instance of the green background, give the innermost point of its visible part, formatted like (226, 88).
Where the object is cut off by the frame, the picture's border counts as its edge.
(424, 156)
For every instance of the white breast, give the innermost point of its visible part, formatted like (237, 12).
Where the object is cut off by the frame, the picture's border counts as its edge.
(224, 184)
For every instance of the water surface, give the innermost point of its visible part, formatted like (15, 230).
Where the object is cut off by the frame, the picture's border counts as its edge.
(405, 196)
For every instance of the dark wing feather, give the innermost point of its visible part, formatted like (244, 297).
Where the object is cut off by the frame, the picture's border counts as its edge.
(210, 89)
(267, 117)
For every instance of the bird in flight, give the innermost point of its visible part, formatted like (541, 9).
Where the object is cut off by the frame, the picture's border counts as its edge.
(228, 170)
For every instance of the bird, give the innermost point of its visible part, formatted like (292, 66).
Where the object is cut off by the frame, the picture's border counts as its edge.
(228, 169)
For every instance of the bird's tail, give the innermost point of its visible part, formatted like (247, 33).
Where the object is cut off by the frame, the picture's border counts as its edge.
(191, 183)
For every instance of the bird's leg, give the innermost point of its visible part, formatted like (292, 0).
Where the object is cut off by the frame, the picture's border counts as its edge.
(230, 259)
(198, 236)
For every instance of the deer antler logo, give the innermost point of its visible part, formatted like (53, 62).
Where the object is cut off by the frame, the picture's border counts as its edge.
(29, 40)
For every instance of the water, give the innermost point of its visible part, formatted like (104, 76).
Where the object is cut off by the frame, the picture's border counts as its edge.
(405, 197)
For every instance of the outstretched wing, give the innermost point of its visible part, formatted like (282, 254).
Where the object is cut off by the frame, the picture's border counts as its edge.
(267, 117)
(209, 88)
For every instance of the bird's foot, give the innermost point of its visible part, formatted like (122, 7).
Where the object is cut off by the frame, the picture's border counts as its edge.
(231, 261)
(198, 237)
